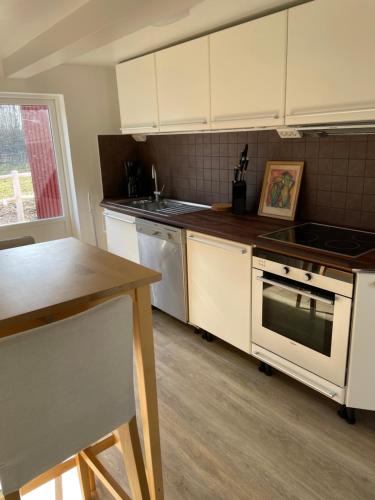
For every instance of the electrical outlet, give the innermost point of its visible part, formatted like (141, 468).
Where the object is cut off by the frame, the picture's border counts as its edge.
(289, 133)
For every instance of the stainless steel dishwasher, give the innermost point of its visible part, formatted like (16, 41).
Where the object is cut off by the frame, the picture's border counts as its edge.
(163, 248)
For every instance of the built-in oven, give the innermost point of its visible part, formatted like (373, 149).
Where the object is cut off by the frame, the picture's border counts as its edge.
(301, 316)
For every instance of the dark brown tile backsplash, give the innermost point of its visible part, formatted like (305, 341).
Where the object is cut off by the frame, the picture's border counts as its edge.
(113, 151)
(339, 178)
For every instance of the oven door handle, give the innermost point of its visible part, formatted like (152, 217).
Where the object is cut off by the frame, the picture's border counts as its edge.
(296, 290)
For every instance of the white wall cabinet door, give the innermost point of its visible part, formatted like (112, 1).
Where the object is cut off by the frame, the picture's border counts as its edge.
(136, 82)
(361, 369)
(248, 64)
(330, 69)
(219, 283)
(121, 234)
(183, 86)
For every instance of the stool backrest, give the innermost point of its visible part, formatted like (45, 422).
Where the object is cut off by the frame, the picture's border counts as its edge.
(63, 386)
(16, 242)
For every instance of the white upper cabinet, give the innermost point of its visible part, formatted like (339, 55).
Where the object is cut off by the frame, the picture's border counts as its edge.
(311, 64)
(330, 68)
(136, 84)
(248, 73)
(183, 86)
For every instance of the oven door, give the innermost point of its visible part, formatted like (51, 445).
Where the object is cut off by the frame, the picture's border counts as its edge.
(303, 324)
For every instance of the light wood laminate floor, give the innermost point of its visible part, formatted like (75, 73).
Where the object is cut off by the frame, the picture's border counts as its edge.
(229, 432)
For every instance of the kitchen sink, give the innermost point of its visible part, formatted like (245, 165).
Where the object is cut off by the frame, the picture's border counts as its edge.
(164, 207)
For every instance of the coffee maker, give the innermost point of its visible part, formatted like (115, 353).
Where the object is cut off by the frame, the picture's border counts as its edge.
(133, 173)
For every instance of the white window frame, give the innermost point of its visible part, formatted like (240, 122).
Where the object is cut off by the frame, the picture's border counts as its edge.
(60, 137)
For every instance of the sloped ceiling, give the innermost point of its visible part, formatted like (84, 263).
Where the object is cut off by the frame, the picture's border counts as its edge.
(23, 20)
(206, 16)
(36, 35)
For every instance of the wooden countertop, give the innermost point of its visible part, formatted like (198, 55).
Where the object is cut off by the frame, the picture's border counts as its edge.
(37, 277)
(248, 229)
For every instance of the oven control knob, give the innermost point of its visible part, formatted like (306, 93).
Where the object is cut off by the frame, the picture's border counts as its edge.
(308, 277)
(285, 270)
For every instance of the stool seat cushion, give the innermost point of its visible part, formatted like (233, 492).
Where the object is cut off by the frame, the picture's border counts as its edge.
(63, 386)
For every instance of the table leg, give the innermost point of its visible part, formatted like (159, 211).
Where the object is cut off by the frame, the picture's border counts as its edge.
(12, 496)
(59, 488)
(146, 378)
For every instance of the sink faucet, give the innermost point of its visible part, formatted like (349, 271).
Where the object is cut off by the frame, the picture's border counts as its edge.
(157, 193)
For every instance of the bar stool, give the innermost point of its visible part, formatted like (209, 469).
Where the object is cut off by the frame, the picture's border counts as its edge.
(16, 242)
(64, 386)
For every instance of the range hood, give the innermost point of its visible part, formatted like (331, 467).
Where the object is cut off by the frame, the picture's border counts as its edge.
(324, 129)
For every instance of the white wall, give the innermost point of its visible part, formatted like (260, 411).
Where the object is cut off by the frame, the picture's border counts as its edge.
(90, 94)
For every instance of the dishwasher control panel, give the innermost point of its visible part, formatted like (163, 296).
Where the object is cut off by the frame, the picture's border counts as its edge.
(161, 231)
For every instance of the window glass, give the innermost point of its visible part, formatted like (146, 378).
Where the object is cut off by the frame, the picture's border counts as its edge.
(29, 185)
(307, 321)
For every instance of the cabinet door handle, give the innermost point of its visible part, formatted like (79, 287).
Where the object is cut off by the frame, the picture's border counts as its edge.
(222, 246)
(294, 374)
(323, 112)
(139, 126)
(255, 116)
(119, 218)
(198, 121)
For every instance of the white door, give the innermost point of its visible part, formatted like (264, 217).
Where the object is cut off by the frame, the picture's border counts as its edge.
(361, 367)
(136, 83)
(183, 86)
(33, 194)
(121, 234)
(219, 284)
(248, 64)
(331, 70)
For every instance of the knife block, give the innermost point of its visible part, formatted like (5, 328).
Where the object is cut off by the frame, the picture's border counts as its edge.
(239, 197)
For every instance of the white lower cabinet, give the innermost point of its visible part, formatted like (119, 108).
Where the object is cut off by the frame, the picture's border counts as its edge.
(219, 283)
(121, 234)
(361, 366)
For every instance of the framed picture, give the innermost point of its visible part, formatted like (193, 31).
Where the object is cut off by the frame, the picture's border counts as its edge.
(281, 185)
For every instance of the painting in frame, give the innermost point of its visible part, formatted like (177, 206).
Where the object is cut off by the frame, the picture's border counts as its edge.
(281, 186)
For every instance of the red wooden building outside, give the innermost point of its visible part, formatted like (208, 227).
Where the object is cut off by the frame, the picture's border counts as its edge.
(42, 160)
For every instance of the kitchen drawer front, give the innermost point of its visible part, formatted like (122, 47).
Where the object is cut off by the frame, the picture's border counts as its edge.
(219, 284)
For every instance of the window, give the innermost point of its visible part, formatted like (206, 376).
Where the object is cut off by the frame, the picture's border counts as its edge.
(29, 181)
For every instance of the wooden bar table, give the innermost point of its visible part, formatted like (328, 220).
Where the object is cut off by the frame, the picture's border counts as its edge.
(50, 281)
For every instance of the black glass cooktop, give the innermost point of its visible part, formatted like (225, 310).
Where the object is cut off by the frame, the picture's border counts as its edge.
(332, 239)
